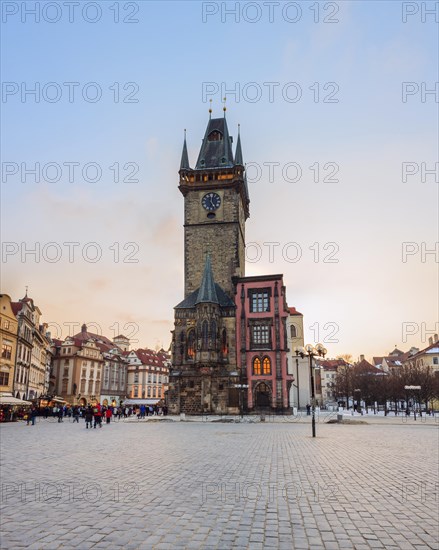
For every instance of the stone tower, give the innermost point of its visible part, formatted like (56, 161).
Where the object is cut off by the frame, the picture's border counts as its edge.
(216, 206)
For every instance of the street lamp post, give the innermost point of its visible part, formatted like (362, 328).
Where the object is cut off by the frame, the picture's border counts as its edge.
(312, 352)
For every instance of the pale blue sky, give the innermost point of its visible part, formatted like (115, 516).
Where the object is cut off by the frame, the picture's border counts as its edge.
(369, 133)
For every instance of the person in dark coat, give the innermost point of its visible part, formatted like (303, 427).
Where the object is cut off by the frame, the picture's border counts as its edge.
(89, 417)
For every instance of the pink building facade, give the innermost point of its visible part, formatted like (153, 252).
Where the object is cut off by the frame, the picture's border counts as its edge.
(262, 342)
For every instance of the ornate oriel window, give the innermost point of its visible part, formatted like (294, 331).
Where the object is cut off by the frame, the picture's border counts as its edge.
(256, 366)
(266, 366)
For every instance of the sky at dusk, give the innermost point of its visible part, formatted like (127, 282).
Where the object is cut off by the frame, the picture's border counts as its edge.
(339, 130)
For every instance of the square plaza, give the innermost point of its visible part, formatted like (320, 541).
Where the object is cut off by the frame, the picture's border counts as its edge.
(169, 484)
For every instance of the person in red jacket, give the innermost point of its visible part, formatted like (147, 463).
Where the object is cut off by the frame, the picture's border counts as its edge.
(108, 415)
(97, 414)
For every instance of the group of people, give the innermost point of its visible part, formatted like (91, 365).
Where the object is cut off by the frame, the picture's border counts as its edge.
(94, 415)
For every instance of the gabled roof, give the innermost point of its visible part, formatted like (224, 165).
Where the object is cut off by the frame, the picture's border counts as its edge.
(216, 153)
(431, 349)
(150, 357)
(16, 307)
(293, 311)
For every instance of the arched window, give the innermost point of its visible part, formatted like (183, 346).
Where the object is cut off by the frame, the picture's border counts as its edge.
(256, 366)
(224, 342)
(213, 330)
(205, 335)
(191, 344)
(266, 366)
(182, 344)
(293, 330)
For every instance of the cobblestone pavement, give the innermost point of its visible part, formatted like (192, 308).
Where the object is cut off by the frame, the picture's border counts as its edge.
(205, 485)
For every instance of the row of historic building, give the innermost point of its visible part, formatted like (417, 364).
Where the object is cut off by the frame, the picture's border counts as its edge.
(83, 368)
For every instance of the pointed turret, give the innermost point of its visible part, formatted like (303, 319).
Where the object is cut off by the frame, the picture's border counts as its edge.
(184, 164)
(207, 291)
(216, 149)
(238, 154)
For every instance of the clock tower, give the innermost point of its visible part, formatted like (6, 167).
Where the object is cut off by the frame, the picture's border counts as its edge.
(216, 207)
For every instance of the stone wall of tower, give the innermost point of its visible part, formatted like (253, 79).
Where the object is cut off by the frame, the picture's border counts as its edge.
(223, 238)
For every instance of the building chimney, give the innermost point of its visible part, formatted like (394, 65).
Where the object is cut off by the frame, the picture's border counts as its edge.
(84, 329)
(430, 340)
(436, 339)
(361, 358)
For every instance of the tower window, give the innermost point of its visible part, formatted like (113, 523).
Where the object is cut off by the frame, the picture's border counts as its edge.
(293, 330)
(215, 136)
(259, 301)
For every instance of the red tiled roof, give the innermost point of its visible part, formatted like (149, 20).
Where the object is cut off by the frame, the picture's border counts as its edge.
(293, 311)
(150, 357)
(16, 307)
(365, 366)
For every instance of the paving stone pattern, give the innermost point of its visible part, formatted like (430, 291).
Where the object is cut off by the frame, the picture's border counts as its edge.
(204, 485)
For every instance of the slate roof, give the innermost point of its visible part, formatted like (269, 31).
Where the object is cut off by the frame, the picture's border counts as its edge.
(207, 291)
(216, 153)
(191, 300)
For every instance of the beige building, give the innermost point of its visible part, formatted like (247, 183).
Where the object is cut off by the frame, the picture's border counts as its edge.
(148, 374)
(89, 367)
(428, 357)
(8, 342)
(300, 392)
(23, 310)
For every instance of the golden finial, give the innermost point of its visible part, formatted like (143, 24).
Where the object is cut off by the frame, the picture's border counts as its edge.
(210, 107)
(224, 108)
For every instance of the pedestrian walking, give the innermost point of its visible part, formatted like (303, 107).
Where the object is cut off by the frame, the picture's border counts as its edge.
(88, 417)
(97, 414)
(108, 415)
(60, 414)
(76, 414)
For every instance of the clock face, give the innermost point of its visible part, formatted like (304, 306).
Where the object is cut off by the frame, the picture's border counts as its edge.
(211, 201)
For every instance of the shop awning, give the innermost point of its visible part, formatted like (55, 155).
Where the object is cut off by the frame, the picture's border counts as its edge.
(141, 401)
(10, 400)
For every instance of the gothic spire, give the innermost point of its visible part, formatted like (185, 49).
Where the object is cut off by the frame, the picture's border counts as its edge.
(238, 152)
(207, 292)
(184, 164)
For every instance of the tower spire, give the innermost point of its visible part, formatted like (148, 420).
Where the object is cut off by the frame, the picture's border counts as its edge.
(184, 164)
(238, 153)
(207, 292)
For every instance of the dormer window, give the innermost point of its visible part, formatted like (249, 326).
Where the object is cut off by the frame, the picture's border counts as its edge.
(215, 135)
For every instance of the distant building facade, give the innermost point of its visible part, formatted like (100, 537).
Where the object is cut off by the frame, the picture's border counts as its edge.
(8, 344)
(148, 374)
